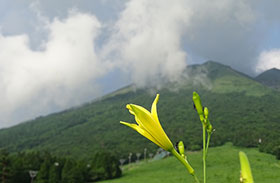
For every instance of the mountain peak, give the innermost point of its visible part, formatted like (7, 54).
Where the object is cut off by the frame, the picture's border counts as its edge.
(212, 69)
(273, 70)
(271, 74)
(270, 78)
(210, 64)
(214, 63)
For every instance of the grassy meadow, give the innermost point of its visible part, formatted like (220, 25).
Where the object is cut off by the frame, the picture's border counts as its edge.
(222, 166)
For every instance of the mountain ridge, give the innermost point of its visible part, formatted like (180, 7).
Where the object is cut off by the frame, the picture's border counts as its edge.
(234, 101)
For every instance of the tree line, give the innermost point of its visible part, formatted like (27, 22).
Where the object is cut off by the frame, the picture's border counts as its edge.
(43, 167)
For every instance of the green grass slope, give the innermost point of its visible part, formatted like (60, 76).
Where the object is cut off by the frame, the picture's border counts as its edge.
(241, 110)
(222, 166)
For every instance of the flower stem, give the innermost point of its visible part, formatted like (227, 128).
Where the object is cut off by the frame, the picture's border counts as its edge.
(204, 154)
(185, 163)
(196, 179)
(208, 141)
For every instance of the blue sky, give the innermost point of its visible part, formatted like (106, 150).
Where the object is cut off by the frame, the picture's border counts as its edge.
(58, 54)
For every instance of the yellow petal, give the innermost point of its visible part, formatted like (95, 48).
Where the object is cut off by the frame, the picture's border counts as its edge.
(147, 122)
(154, 109)
(130, 109)
(144, 117)
(142, 132)
(139, 122)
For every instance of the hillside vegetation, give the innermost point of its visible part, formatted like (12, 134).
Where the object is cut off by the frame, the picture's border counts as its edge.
(241, 110)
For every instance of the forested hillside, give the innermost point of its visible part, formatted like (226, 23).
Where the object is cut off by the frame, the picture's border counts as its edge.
(242, 111)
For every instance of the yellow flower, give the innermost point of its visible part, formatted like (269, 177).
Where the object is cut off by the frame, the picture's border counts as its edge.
(246, 175)
(149, 125)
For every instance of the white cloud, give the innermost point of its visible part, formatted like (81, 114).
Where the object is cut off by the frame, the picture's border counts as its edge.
(59, 76)
(145, 44)
(141, 39)
(150, 38)
(146, 40)
(268, 60)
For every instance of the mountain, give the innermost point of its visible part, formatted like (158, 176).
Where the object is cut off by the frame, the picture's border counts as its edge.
(241, 110)
(270, 78)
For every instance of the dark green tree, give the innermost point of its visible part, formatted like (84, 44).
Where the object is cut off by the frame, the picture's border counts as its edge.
(104, 166)
(55, 173)
(19, 170)
(43, 174)
(71, 172)
(5, 166)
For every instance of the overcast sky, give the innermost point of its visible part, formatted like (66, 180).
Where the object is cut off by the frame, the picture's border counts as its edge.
(58, 54)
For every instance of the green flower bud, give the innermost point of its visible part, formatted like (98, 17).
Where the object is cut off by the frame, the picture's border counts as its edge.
(209, 128)
(206, 112)
(245, 175)
(198, 106)
(181, 148)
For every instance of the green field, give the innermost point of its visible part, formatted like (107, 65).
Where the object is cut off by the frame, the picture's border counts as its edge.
(223, 167)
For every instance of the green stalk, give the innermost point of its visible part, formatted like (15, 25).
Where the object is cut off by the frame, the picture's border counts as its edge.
(185, 163)
(204, 154)
(208, 141)
(196, 179)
